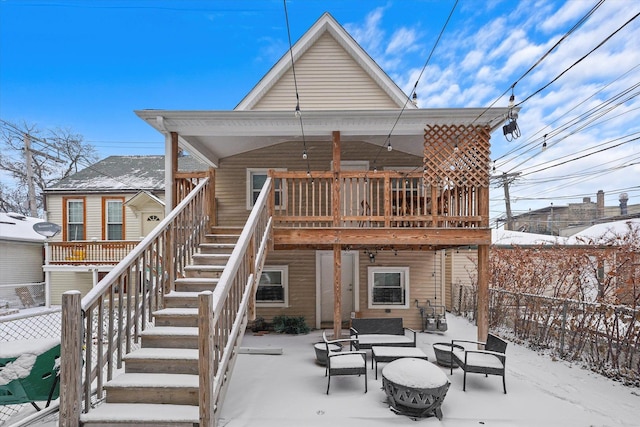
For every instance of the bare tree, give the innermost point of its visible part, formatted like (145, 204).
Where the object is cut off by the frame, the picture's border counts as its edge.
(40, 158)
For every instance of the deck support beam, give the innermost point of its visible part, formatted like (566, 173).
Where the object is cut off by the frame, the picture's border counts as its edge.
(337, 248)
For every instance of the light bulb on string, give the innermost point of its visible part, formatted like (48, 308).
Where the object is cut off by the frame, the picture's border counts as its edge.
(544, 143)
(304, 154)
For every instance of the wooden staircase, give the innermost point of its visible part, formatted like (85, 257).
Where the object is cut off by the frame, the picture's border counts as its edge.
(160, 383)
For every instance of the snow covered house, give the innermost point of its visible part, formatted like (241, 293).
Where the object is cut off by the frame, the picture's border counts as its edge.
(337, 206)
(21, 260)
(104, 211)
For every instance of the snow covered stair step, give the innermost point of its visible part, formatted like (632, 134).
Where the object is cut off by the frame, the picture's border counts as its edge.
(175, 299)
(175, 389)
(196, 284)
(215, 259)
(109, 414)
(176, 317)
(170, 337)
(162, 360)
(206, 248)
(212, 271)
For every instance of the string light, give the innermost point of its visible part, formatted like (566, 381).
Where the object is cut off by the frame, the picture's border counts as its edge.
(304, 154)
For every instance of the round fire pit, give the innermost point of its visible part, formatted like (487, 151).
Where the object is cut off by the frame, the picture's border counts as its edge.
(443, 353)
(415, 387)
(321, 351)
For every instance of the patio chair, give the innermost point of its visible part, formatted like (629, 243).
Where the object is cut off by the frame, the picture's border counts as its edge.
(490, 361)
(40, 384)
(344, 362)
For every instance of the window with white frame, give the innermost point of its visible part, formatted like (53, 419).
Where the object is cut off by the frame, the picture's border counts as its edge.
(255, 181)
(114, 229)
(388, 287)
(273, 289)
(75, 219)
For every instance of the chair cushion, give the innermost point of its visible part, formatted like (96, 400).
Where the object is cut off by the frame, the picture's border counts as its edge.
(480, 359)
(382, 339)
(346, 361)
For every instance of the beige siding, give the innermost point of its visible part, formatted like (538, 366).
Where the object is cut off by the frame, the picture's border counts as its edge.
(422, 287)
(327, 78)
(62, 281)
(94, 216)
(302, 285)
(231, 178)
(20, 263)
(461, 269)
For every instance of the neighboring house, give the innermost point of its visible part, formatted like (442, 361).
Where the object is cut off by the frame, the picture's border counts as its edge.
(104, 210)
(362, 172)
(575, 217)
(21, 259)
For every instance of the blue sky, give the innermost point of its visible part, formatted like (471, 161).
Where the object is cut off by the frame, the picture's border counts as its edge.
(87, 65)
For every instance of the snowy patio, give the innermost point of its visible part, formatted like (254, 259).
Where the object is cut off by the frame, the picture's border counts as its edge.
(289, 390)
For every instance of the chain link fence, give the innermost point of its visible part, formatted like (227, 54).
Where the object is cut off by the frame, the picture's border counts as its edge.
(15, 297)
(603, 337)
(43, 324)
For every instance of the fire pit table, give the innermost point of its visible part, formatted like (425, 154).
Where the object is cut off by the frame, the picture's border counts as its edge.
(415, 387)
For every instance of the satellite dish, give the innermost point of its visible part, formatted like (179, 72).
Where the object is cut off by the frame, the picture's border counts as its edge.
(47, 229)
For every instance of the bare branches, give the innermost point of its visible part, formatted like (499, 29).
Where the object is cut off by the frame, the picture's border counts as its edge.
(55, 154)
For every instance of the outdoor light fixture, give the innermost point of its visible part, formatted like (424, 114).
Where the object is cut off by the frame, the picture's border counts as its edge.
(544, 143)
(298, 113)
(304, 154)
(389, 147)
(414, 99)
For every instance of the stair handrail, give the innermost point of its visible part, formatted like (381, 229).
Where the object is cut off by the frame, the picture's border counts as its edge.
(120, 306)
(222, 316)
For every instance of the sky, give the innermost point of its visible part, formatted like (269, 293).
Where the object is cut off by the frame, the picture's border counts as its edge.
(87, 66)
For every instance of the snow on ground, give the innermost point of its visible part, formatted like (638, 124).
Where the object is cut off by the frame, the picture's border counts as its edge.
(289, 390)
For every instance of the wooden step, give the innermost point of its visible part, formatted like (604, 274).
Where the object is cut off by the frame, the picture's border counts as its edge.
(180, 317)
(145, 415)
(170, 337)
(172, 389)
(211, 271)
(196, 284)
(210, 259)
(175, 299)
(162, 360)
(221, 238)
(216, 248)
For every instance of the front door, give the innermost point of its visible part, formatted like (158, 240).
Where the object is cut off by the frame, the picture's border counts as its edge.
(324, 263)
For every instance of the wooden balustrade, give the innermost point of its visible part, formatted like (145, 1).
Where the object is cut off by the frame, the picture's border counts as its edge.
(373, 199)
(110, 317)
(90, 252)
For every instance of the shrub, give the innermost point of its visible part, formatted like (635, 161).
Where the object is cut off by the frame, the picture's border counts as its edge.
(290, 325)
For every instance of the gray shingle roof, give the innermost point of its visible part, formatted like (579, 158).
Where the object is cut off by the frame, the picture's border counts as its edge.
(124, 173)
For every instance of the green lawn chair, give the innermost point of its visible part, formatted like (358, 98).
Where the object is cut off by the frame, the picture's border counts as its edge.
(29, 371)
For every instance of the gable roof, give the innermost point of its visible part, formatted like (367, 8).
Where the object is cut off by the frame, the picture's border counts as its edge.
(123, 174)
(215, 135)
(326, 25)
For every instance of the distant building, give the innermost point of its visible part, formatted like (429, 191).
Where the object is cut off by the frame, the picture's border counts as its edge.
(575, 217)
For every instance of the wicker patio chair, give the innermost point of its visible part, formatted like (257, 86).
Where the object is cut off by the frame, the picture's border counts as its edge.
(344, 362)
(490, 361)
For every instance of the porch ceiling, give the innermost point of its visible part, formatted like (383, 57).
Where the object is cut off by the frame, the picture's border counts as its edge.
(213, 135)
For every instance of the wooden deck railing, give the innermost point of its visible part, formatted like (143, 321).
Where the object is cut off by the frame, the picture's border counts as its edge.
(100, 329)
(89, 252)
(106, 324)
(223, 313)
(373, 199)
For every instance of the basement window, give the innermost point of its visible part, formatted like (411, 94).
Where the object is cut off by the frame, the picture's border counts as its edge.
(388, 287)
(273, 288)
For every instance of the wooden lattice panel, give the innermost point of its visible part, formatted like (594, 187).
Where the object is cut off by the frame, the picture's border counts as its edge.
(466, 165)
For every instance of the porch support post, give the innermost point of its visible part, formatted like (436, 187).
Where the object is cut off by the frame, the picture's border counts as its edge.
(483, 292)
(337, 291)
(337, 248)
(174, 169)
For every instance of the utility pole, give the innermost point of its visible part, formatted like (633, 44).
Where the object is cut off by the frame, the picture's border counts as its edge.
(508, 178)
(33, 206)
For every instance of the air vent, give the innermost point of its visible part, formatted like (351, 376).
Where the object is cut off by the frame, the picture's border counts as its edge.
(16, 216)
